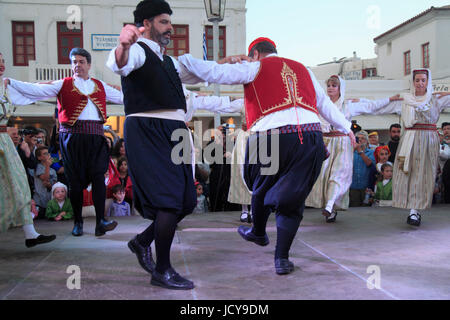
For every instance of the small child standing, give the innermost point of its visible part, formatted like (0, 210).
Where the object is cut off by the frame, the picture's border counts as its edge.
(119, 207)
(59, 208)
(202, 206)
(44, 179)
(383, 189)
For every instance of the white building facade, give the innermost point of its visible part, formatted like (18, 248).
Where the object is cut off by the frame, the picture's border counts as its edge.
(421, 42)
(37, 37)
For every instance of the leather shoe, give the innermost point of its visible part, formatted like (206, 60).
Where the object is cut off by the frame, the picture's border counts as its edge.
(244, 217)
(143, 254)
(414, 222)
(247, 234)
(283, 266)
(332, 217)
(39, 240)
(171, 280)
(104, 227)
(326, 213)
(77, 229)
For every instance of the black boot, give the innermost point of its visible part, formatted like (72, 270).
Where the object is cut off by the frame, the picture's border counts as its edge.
(77, 229)
(143, 254)
(104, 226)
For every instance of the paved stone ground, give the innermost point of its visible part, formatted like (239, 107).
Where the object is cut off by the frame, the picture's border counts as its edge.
(331, 260)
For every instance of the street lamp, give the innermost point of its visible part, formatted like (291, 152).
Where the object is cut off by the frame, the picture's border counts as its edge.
(215, 11)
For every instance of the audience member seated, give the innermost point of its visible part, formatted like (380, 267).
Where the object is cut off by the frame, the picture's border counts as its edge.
(44, 179)
(125, 179)
(119, 207)
(59, 207)
(118, 151)
(202, 205)
(383, 189)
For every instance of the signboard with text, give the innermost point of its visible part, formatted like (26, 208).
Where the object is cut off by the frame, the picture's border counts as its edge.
(104, 42)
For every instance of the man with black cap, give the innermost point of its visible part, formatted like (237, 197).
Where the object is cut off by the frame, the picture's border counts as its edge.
(279, 94)
(155, 107)
(81, 113)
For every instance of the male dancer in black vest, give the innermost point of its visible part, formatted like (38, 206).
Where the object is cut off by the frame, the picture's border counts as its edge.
(155, 106)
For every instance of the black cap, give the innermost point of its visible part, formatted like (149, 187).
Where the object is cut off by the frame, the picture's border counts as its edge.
(148, 9)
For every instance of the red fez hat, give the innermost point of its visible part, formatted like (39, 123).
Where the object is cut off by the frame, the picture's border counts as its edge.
(259, 40)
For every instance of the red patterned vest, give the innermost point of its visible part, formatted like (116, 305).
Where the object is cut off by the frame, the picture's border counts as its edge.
(71, 102)
(280, 84)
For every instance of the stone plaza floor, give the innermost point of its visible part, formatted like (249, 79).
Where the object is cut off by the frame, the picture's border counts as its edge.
(332, 261)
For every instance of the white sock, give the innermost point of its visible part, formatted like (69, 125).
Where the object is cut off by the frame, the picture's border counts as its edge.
(413, 214)
(244, 209)
(30, 232)
(329, 206)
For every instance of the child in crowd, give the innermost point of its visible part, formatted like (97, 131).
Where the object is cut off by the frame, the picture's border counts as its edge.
(59, 208)
(44, 178)
(125, 179)
(202, 206)
(119, 207)
(382, 155)
(383, 189)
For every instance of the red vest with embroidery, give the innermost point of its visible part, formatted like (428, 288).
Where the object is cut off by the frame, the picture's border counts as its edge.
(279, 85)
(71, 101)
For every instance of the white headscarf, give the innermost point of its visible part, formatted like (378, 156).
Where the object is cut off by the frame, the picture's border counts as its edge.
(419, 103)
(326, 126)
(58, 185)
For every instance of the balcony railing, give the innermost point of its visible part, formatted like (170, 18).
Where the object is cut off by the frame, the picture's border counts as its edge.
(45, 72)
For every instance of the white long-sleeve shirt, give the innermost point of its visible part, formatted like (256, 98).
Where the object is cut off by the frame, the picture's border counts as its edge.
(223, 104)
(246, 72)
(136, 59)
(33, 92)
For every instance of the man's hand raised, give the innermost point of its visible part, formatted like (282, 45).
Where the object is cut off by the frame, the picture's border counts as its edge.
(129, 35)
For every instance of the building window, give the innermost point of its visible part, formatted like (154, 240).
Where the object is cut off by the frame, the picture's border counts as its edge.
(179, 43)
(222, 42)
(369, 73)
(407, 58)
(23, 42)
(426, 55)
(67, 40)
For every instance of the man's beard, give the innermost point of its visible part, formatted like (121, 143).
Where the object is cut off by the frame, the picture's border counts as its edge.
(395, 139)
(159, 37)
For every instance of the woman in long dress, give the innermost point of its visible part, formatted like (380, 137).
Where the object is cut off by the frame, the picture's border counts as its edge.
(416, 162)
(15, 196)
(330, 191)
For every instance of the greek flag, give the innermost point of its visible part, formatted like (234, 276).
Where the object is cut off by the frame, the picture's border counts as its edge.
(205, 47)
